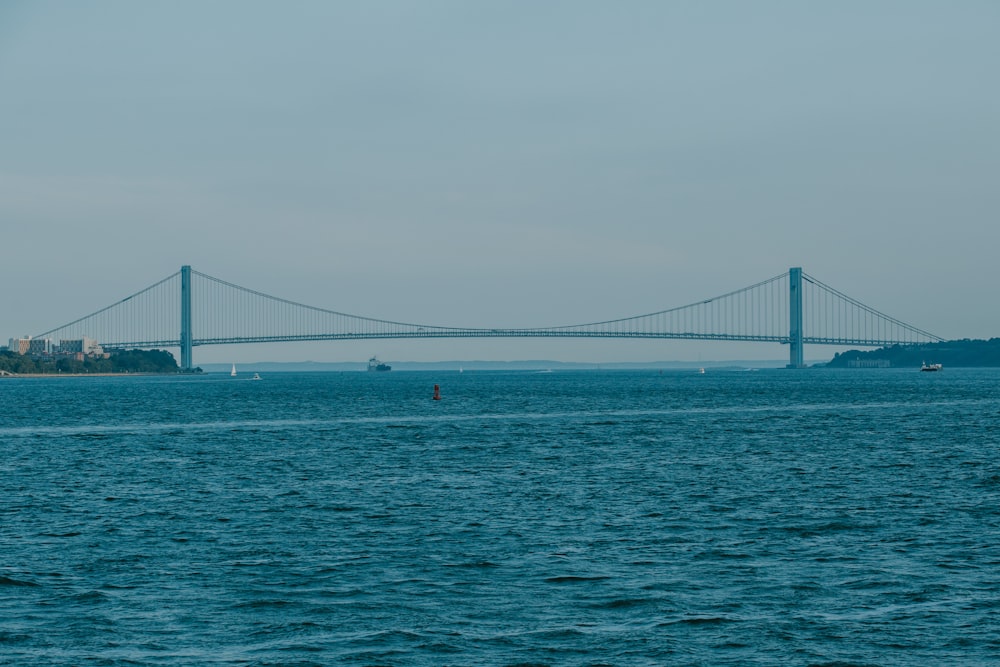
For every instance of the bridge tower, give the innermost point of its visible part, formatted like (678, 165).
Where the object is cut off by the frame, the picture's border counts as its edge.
(795, 354)
(186, 317)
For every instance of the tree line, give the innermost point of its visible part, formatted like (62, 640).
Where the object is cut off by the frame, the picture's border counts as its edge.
(950, 353)
(120, 361)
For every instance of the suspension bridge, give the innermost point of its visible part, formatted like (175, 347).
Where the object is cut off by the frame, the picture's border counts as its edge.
(189, 309)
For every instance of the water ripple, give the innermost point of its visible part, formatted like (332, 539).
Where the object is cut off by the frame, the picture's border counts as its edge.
(589, 518)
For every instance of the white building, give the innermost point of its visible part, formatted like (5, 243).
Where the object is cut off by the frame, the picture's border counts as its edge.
(84, 345)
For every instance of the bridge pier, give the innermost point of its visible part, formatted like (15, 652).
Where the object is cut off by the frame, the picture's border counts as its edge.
(796, 356)
(186, 318)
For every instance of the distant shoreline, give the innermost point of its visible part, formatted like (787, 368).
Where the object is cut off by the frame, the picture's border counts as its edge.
(481, 365)
(13, 376)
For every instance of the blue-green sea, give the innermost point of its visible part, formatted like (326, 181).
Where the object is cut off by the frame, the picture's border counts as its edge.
(771, 517)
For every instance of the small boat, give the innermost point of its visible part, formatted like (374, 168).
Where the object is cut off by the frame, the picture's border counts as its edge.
(256, 376)
(929, 368)
(376, 365)
(232, 373)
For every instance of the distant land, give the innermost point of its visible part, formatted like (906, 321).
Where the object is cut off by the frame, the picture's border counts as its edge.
(113, 363)
(954, 353)
(474, 365)
(950, 353)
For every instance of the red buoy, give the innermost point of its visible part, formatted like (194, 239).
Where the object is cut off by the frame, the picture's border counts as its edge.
(437, 393)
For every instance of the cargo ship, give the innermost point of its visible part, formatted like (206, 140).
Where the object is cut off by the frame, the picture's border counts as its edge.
(376, 365)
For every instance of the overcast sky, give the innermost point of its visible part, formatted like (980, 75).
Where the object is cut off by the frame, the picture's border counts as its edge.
(501, 163)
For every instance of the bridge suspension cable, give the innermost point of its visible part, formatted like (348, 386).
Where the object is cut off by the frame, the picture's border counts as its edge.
(228, 313)
(755, 313)
(833, 318)
(148, 318)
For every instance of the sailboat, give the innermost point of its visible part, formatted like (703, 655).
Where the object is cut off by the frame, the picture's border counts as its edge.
(233, 372)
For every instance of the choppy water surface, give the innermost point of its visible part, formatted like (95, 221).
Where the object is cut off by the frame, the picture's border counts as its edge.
(578, 518)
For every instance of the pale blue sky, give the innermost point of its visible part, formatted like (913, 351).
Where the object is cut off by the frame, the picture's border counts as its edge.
(501, 163)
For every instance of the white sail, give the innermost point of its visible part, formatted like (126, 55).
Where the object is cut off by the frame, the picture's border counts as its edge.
(233, 372)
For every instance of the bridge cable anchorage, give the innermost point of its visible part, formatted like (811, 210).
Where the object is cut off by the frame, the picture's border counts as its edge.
(193, 308)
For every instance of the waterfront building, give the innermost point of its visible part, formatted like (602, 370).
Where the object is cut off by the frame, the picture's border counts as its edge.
(869, 363)
(32, 346)
(86, 346)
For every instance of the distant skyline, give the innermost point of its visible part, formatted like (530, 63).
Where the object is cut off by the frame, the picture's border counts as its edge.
(501, 164)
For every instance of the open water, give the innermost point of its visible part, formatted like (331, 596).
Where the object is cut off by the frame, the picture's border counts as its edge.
(812, 517)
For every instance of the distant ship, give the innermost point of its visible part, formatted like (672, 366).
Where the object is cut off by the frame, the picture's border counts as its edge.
(931, 367)
(376, 365)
